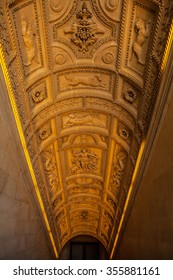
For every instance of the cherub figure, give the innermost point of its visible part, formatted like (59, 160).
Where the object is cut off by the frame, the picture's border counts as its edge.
(142, 30)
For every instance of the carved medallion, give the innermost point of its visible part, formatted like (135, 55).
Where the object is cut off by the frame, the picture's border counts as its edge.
(111, 5)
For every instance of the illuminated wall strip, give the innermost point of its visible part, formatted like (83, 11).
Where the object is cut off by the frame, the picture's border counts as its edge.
(22, 138)
(168, 47)
(128, 197)
(164, 62)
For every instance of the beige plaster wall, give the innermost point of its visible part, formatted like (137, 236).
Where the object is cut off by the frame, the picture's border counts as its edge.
(149, 231)
(21, 234)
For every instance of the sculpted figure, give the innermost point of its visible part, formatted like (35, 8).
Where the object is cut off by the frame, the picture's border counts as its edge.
(94, 81)
(84, 161)
(142, 30)
(29, 40)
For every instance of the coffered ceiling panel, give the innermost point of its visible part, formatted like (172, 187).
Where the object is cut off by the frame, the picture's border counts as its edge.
(85, 76)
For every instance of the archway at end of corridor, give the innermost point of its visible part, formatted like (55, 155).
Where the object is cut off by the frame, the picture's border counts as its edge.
(83, 247)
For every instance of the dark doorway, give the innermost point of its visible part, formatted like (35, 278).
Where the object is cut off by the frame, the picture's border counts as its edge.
(84, 251)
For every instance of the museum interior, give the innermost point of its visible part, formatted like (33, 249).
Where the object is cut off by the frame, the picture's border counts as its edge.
(86, 129)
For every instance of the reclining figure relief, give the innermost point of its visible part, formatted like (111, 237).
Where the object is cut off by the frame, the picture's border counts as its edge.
(94, 80)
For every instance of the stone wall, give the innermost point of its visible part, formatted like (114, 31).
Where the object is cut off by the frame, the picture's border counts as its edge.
(149, 231)
(21, 233)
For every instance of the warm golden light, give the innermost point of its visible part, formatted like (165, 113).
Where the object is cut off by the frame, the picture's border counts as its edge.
(164, 62)
(128, 197)
(168, 47)
(22, 138)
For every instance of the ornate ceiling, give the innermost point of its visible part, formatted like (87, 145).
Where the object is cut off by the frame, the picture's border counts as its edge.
(84, 76)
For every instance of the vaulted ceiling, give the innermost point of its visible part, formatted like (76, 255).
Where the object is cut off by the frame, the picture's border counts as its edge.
(83, 78)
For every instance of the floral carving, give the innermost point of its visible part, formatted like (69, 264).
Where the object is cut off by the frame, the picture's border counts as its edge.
(84, 31)
(38, 95)
(130, 95)
(84, 161)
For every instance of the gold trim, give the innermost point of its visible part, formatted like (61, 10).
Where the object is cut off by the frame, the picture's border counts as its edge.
(23, 142)
(128, 197)
(163, 66)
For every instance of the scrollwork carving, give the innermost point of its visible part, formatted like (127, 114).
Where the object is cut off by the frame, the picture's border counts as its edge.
(111, 203)
(56, 202)
(59, 216)
(62, 226)
(117, 172)
(45, 132)
(51, 170)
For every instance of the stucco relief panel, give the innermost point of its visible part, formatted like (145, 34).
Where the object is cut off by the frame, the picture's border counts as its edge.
(27, 32)
(141, 32)
(84, 32)
(94, 80)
